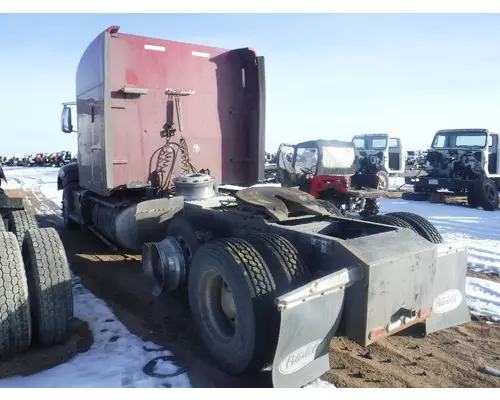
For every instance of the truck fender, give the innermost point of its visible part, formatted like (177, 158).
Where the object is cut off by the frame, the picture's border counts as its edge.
(67, 174)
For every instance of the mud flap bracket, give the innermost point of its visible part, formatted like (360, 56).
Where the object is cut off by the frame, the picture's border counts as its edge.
(310, 317)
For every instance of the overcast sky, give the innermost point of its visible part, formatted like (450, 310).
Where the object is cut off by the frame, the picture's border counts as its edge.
(327, 76)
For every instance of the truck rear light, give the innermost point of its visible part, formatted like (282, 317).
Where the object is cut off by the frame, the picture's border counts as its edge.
(376, 332)
(425, 312)
(394, 325)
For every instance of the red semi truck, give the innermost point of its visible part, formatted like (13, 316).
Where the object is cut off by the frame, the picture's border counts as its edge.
(163, 129)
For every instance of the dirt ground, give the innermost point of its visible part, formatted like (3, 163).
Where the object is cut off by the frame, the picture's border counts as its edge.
(450, 358)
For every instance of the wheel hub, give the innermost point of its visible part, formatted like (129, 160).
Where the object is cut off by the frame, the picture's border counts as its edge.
(164, 265)
(195, 186)
(490, 192)
(227, 303)
(381, 183)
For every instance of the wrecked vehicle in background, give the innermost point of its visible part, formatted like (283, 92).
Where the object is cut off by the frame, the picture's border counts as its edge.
(464, 162)
(415, 159)
(64, 158)
(411, 159)
(326, 169)
(270, 273)
(39, 160)
(13, 161)
(382, 155)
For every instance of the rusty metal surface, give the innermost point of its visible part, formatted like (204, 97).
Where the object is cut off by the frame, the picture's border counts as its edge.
(281, 203)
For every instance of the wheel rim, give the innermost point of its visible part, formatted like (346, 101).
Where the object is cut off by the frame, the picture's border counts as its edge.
(227, 304)
(490, 193)
(382, 184)
(188, 254)
(218, 306)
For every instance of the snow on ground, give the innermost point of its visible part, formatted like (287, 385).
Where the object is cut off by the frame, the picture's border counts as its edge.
(11, 184)
(479, 230)
(115, 359)
(483, 297)
(38, 180)
(119, 363)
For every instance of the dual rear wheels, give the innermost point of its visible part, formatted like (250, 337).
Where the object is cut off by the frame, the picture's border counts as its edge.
(233, 284)
(36, 300)
(412, 221)
(484, 193)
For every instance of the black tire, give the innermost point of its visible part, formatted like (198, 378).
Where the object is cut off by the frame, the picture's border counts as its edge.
(283, 259)
(486, 193)
(472, 199)
(423, 227)
(69, 224)
(383, 180)
(389, 220)
(49, 283)
(15, 319)
(331, 208)
(2, 225)
(248, 344)
(189, 239)
(21, 221)
(415, 196)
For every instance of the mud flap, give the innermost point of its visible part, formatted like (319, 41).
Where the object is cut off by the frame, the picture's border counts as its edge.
(310, 317)
(449, 307)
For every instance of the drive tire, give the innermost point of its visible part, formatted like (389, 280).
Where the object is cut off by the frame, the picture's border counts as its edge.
(331, 208)
(486, 193)
(383, 180)
(20, 222)
(472, 199)
(250, 344)
(389, 220)
(422, 226)
(15, 319)
(49, 283)
(283, 259)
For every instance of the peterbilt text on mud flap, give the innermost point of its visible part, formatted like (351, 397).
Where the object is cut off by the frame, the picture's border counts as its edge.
(380, 154)
(270, 272)
(464, 162)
